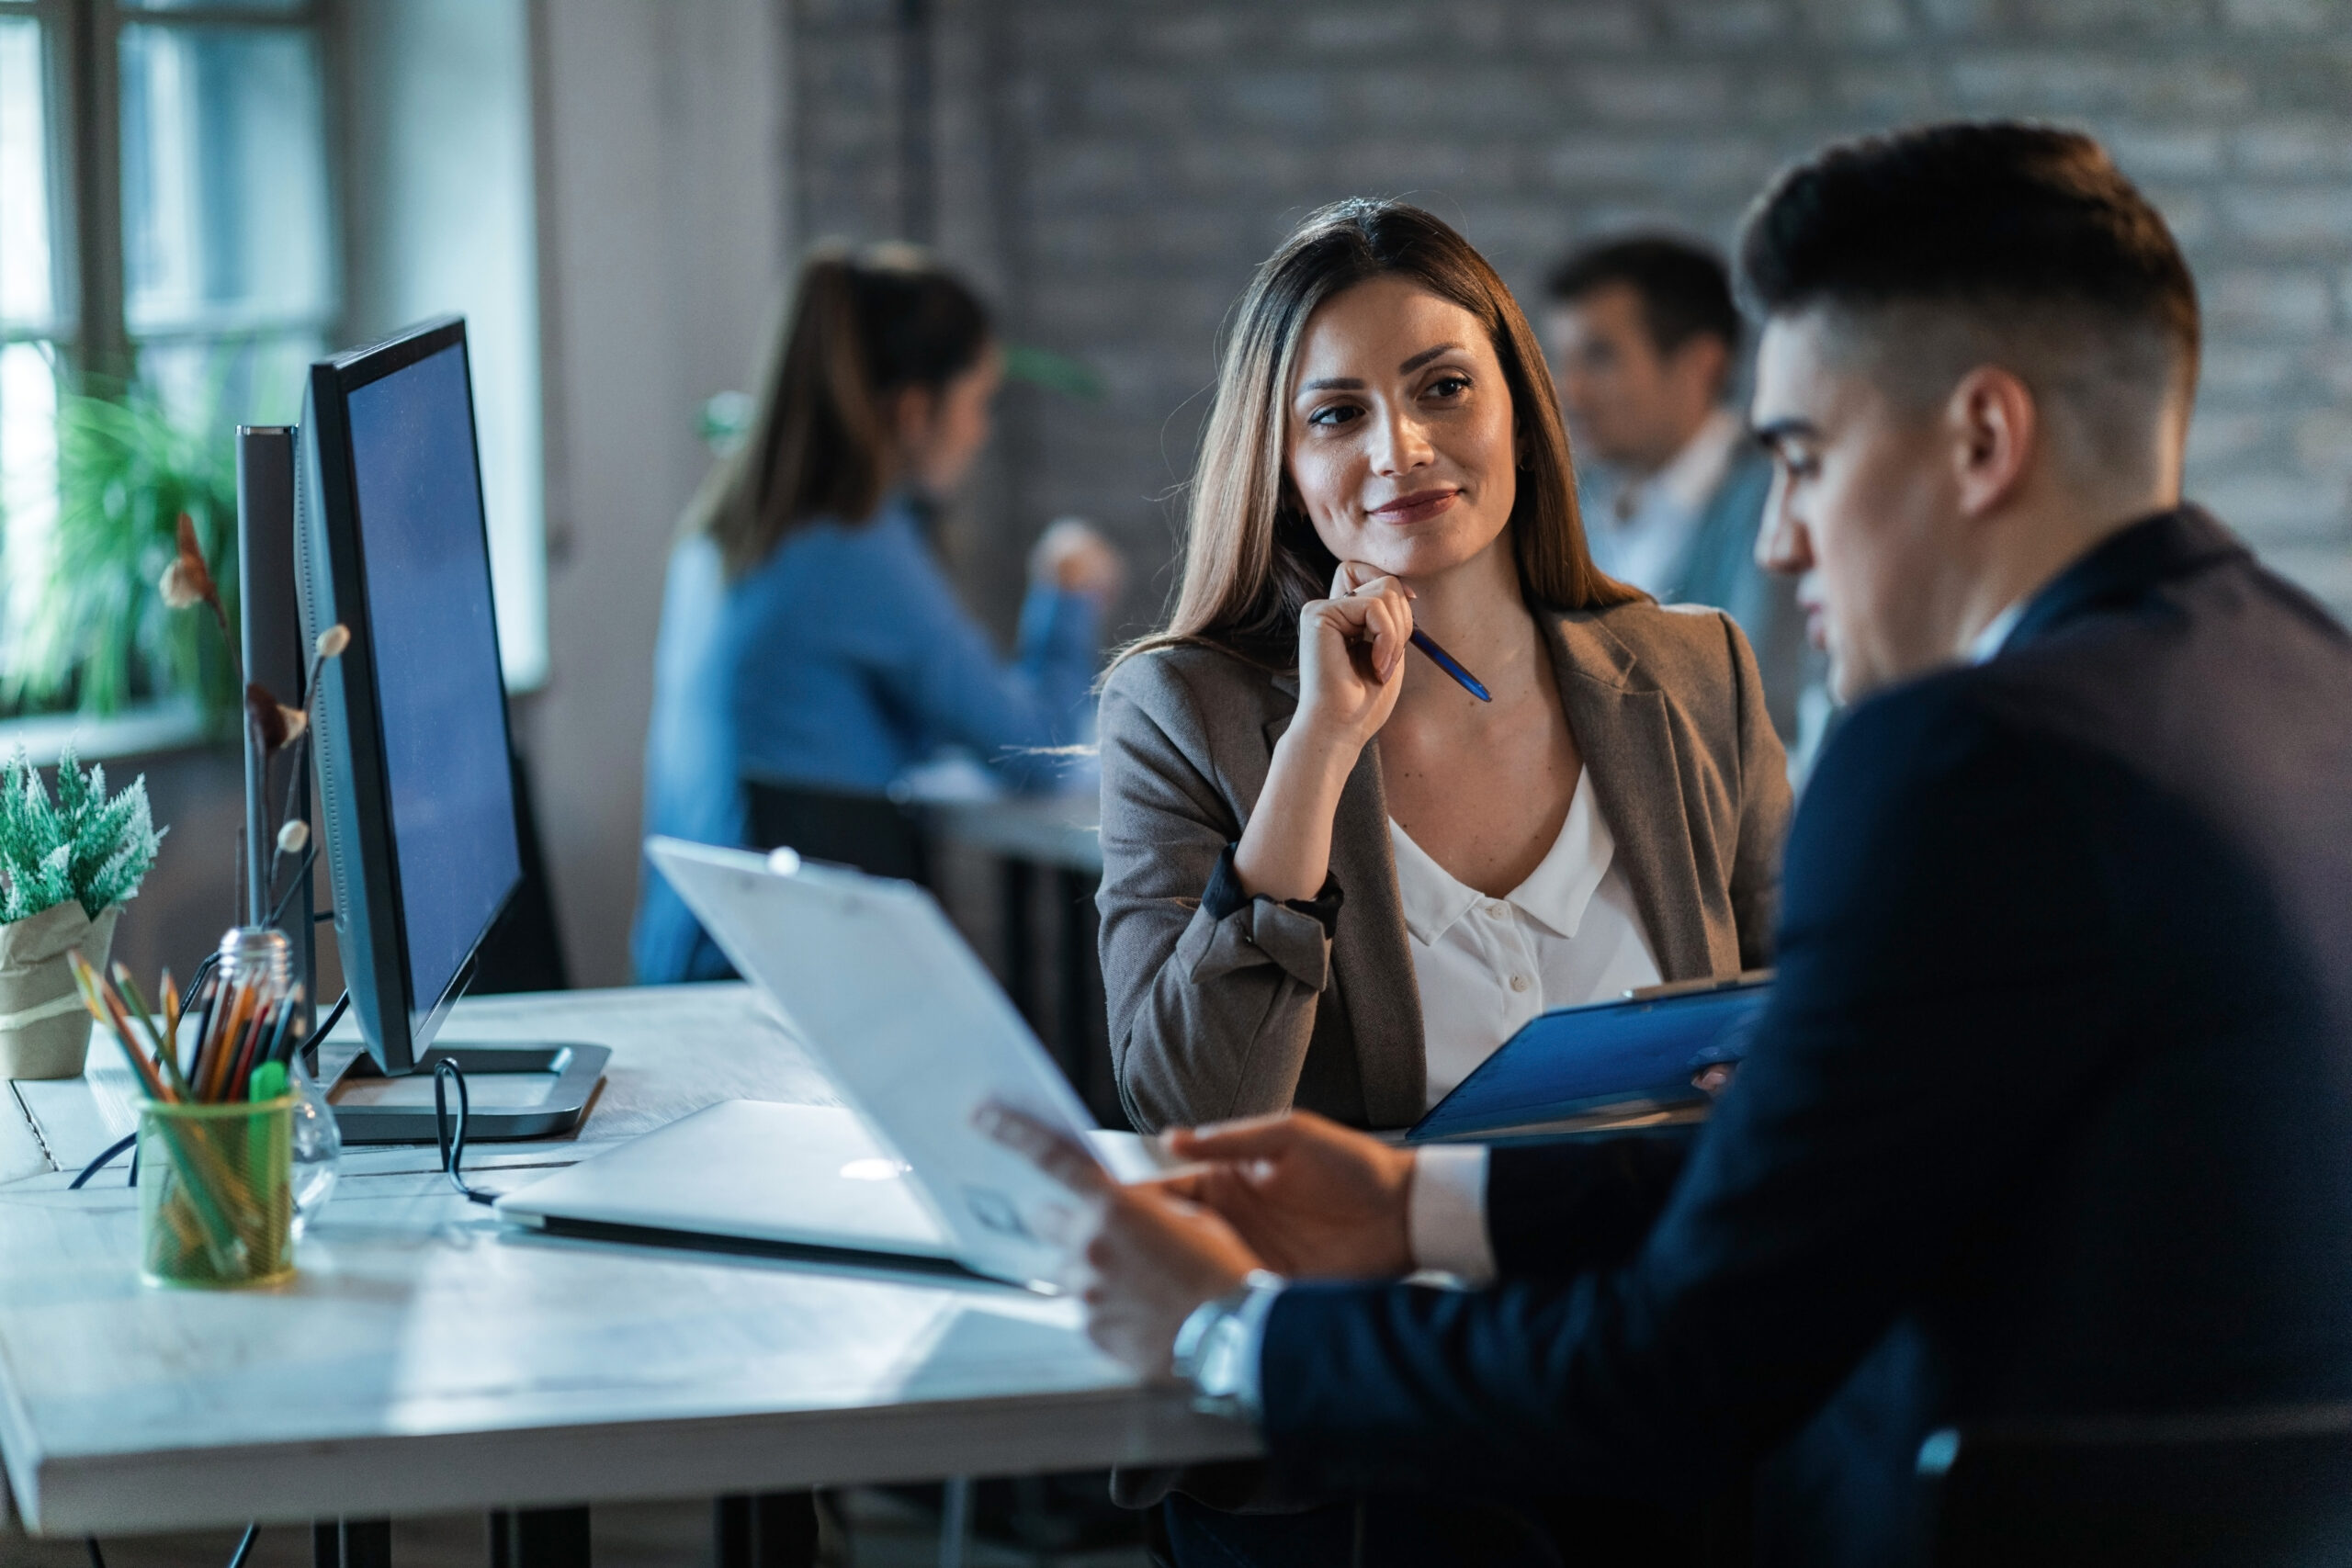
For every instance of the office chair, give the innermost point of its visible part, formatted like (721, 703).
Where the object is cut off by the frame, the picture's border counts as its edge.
(2257, 1488)
(523, 951)
(871, 832)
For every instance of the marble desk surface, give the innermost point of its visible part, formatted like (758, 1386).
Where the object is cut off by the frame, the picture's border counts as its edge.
(427, 1358)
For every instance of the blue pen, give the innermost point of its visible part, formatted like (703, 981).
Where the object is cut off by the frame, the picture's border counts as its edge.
(1445, 662)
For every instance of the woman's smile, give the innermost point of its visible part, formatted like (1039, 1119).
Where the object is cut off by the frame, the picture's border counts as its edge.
(1417, 507)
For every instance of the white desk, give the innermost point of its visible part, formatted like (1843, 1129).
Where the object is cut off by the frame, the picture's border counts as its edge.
(1064, 831)
(1060, 835)
(427, 1360)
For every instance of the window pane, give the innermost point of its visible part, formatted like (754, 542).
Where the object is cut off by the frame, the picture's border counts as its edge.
(224, 196)
(214, 384)
(27, 263)
(27, 490)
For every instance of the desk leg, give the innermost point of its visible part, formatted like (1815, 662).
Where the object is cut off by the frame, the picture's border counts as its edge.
(771, 1529)
(955, 1523)
(351, 1544)
(539, 1538)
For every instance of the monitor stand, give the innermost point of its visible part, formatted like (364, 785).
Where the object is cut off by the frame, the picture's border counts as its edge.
(514, 1089)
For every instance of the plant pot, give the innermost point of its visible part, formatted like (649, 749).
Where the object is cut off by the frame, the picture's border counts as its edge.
(44, 1029)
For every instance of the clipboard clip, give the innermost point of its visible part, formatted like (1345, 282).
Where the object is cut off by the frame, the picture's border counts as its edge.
(1693, 987)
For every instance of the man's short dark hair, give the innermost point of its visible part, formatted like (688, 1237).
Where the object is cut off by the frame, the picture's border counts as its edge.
(1685, 289)
(2001, 215)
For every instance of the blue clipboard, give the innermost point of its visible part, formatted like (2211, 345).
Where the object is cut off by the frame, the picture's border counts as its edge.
(1583, 1069)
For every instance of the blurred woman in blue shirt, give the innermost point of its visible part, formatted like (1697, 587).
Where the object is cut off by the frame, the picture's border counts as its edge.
(808, 633)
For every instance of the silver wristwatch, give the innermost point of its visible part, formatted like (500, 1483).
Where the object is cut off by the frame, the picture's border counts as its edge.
(1216, 1350)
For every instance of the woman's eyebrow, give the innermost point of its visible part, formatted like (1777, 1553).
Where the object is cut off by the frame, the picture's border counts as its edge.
(1349, 384)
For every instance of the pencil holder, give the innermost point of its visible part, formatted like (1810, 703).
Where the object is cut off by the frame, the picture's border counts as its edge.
(216, 1193)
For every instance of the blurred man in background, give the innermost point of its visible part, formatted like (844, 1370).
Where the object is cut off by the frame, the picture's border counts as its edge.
(1643, 338)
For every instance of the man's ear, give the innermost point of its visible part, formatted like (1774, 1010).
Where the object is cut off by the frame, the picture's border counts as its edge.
(1995, 431)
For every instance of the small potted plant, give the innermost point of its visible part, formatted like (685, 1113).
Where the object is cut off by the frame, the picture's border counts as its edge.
(69, 864)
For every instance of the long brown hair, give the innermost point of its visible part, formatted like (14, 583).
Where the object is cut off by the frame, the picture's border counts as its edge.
(1252, 558)
(862, 327)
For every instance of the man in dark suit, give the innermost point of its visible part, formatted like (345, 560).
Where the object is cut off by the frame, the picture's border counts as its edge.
(2051, 1111)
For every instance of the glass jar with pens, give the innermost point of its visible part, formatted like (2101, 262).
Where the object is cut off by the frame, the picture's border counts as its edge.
(224, 1126)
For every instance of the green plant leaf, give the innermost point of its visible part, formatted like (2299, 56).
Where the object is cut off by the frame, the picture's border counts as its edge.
(102, 636)
(82, 845)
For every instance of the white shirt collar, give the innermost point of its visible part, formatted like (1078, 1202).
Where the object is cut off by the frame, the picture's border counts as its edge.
(1987, 643)
(1555, 894)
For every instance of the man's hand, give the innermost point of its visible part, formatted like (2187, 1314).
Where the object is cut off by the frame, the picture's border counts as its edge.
(1154, 1255)
(1310, 1197)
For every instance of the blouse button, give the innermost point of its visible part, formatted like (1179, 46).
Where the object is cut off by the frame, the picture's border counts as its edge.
(1519, 982)
(1499, 908)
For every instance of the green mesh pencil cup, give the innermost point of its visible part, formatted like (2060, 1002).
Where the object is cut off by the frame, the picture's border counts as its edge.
(216, 1193)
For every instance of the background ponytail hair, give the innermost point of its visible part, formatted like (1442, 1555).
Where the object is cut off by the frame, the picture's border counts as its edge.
(863, 326)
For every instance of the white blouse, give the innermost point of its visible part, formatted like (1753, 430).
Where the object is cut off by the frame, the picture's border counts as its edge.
(1569, 934)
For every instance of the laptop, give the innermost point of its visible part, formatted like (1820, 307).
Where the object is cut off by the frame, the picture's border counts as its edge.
(914, 1034)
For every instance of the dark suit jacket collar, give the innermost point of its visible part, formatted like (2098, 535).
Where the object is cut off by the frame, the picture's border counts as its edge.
(2124, 566)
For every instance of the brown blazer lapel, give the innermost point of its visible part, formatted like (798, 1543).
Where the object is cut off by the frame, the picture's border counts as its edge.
(1372, 967)
(1622, 731)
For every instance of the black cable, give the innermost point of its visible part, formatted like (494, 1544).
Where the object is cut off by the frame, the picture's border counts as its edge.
(196, 983)
(236, 1560)
(294, 883)
(452, 1142)
(327, 1024)
(99, 1164)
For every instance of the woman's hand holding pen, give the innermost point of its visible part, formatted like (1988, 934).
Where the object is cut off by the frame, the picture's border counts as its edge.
(1350, 667)
(1352, 648)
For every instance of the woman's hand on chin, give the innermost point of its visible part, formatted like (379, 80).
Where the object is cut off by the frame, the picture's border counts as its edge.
(1351, 655)
(1350, 667)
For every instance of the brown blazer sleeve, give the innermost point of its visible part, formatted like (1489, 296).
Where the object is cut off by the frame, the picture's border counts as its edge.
(1210, 1018)
(1764, 802)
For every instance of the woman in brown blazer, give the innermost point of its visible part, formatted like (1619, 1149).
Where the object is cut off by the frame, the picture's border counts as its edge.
(1385, 452)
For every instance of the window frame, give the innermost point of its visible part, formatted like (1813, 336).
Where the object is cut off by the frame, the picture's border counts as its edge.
(82, 65)
(91, 41)
(88, 331)
(61, 98)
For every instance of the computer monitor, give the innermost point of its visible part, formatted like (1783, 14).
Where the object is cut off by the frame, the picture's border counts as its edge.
(416, 799)
(416, 792)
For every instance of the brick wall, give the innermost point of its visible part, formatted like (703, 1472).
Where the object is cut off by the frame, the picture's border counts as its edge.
(1111, 170)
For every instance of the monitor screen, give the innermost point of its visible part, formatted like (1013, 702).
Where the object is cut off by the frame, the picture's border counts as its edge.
(441, 698)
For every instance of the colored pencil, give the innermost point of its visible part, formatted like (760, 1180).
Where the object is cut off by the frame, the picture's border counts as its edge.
(195, 1069)
(128, 990)
(231, 1032)
(87, 981)
(280, 1038)
(241, 1065)
(172, 1018)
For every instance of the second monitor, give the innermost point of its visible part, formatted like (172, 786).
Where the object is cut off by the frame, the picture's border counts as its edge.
(415, 788)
